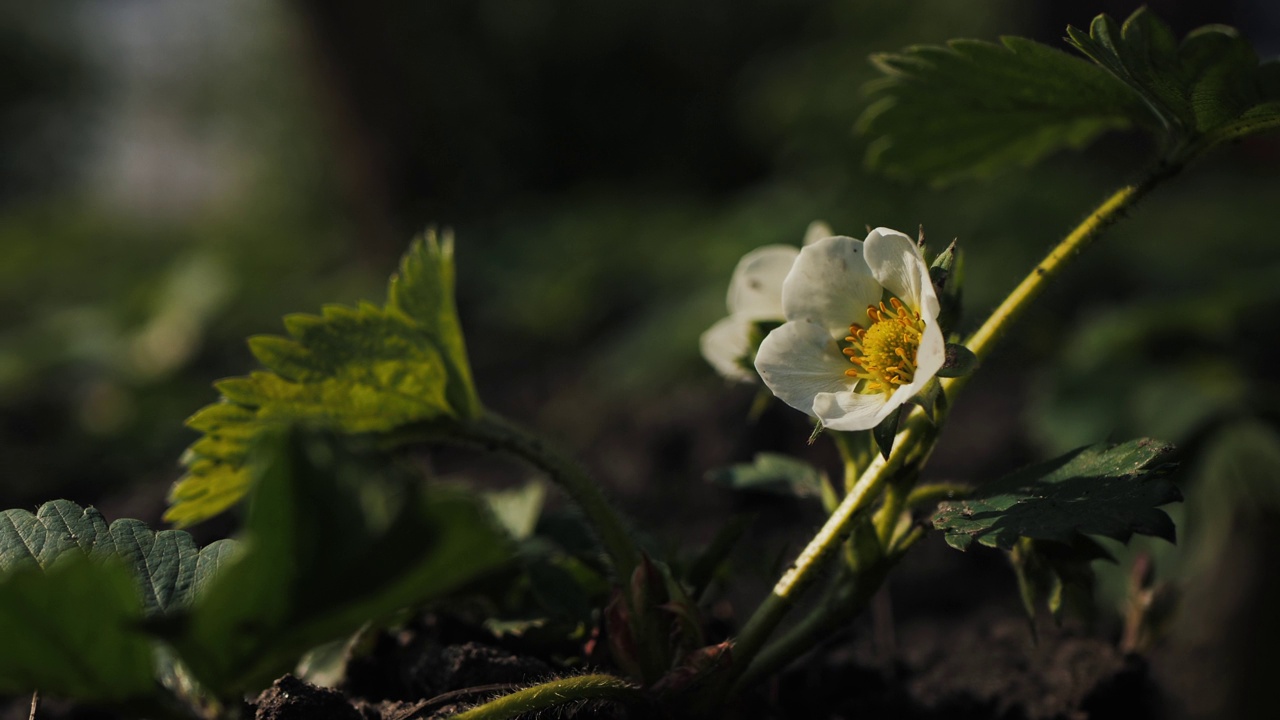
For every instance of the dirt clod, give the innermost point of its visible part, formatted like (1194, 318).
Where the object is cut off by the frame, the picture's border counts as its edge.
(292, 699)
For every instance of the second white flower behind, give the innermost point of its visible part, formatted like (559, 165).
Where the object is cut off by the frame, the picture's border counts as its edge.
(861, 335)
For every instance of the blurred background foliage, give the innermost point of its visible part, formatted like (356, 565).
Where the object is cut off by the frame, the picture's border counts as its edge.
(176, 176)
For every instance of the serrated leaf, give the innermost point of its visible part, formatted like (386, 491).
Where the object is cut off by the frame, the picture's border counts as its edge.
(973, 108)
(1109, 490)
(423, 289)
(367, 369)
(167, 566)
(73, 632)
(1205, 90)
(334, 538)
(771, 472)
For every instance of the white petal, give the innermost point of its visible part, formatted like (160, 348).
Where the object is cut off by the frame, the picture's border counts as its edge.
(850, 411)
(799, 361)
(756, 287)
(816, 231)
(830, 284)
(725, 344)
(896, 263)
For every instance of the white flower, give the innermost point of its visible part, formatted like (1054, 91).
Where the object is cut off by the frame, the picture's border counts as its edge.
(861, 336)
(755, 296)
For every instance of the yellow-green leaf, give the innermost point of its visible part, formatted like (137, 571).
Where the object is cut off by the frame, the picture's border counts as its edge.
(366, 369)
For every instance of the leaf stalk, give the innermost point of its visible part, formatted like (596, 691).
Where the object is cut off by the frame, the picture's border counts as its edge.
(554, 693)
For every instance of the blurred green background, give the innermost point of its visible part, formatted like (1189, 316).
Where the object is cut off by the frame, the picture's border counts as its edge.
(175, 176)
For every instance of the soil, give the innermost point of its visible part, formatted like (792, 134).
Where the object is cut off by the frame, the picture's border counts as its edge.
(989, 668)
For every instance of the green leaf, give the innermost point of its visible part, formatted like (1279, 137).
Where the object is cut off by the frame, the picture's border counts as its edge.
(1204, 91)
(423, 290)
(772, 472)
(73, 631)
(334, 538)
(1109, 490)
(366, 369)
(974, 108)
(167, 566)
(518, 509)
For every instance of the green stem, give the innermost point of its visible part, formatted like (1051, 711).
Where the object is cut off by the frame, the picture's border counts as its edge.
(1110, 211)
(886, 518)
(496, 433)
(793, 582)
(844, 601)
(556, 692)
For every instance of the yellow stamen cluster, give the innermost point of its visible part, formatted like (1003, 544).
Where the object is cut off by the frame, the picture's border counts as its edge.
(884, 354)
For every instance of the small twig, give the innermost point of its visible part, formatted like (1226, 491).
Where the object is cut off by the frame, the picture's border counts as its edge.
(35, 705)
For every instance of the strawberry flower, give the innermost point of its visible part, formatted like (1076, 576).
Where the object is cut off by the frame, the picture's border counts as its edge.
(861, 335)
(755, 299)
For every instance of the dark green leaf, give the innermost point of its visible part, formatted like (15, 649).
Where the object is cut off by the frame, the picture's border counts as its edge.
(168, 567)
(1109, 490)
(367, 369)
(1206, 90)
(929, 397)
(771, 472)
(73, 632)
(334, 538)
(974, 108)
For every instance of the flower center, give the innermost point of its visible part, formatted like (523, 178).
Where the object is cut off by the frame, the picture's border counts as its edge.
(884, 354)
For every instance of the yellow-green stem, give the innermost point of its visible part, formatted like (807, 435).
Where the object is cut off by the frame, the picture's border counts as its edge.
(551, 694)
(805, 568)
(1111, 210)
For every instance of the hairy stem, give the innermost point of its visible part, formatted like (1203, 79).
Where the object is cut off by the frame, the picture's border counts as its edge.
(1111, 210)
(793, 582)
(556, 692)
(844, 601)
(496, 433)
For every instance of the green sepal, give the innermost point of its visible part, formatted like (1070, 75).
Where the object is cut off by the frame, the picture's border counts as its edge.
(960, 361)
(946, 272)
(886, 431)
(942, 265)
(930, 398)
(756, 335)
